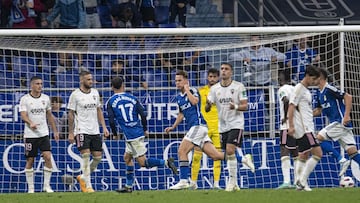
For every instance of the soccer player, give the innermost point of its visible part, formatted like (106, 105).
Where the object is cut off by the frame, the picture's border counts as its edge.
(211, 119)
(301, 126)
(336, 106)
(287, 142)
(85, 109)
(231, 100)
(125, 109)
(197, 131)
(35, 109)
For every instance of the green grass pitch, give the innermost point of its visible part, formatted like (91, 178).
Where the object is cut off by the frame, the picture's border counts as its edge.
(322, 195)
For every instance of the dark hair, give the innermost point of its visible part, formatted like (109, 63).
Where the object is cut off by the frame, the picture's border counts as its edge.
(117, 82)
(56, 99)
(214, 71)
(35, 78)
(182, 73)
(324, 73)
(117, 61)
(228, 65)
(312, 71)
(286, 74)
(84, 72)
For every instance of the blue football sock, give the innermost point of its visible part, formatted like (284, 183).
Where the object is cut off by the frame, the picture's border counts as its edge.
(327, 147)
(151, 162)
(356, 157)
(238, 157)
(184, 169)
(129, 175)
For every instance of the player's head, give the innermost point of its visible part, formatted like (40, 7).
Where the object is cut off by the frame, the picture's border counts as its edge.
(284, 77)
(181, 79)
(213, 76)
(312, 75)
(117, 65)
(117, 84)
(86, 79)
(302, 42)
(324, 75)
(36, 84)
(226, 71)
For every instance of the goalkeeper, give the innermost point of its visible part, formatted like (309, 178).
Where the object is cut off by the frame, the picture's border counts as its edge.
(211, 118)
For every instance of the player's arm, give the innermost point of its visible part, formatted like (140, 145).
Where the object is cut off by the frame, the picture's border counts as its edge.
(101, 119)
(52, 123)
(285, 101)
(209, 100)
(242, 106)
(178, 120)
(193, 97)
(348, 105)
(290, 115)
(111, 117)
(71, 125)
(141, 111)
(26, 119)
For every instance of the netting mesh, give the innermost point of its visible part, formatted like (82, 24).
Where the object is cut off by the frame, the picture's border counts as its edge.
(149, 64)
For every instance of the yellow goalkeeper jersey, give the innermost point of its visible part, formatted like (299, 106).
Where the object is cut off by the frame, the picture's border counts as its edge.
(211, 117)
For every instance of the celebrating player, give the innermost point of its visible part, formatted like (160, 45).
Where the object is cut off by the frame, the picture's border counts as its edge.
(34, 109)
(197, 134)
(85, 109)
(125, 109)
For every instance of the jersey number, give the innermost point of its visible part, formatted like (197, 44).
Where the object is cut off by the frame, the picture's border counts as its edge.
(127, 111)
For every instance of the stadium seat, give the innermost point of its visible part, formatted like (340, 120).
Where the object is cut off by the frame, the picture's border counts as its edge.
(155, 77)
(9, 80)
(161, 14)
(68, 79)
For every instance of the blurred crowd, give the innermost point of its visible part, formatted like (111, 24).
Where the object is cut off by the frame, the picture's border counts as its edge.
(93, 13)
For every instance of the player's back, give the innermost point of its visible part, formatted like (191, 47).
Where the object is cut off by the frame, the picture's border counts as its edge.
(126, 109)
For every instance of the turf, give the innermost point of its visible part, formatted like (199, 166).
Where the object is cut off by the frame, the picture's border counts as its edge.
(323, 195)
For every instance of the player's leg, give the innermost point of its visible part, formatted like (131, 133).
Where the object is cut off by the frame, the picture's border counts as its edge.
(96, 151)
(307, 142)
(215, 138)
(130, 170)
(195, 167)
(335, 131)
(287, 145)
(83, 145)
(45, 148)
(31, 151)
(348, 142)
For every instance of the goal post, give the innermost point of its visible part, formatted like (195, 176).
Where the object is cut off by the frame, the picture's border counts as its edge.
(148, 59)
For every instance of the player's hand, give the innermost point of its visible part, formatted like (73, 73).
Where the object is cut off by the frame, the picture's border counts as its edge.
(106, 132)
(283, 121)
(232, 105)
(71, 138)
(187, 87)
(346, 120)
(33, 126)
(56, 136)
(146, 133)
(168, 129)
(291, 131)
(208, 106)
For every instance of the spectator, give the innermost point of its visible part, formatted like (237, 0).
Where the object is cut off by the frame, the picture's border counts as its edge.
(92, 16)
(48, 4)
(298, 57)
(147, 10)
(257, 61)
(192, 9)
(60, 116)
(125, 15)
(178, 8)
(72, 14)
(20, 16)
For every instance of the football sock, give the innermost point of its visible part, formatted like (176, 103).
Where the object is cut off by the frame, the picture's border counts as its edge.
(95, 163)
(285, 168)
(151, 162)
(238, 157)
(47, 176)
(217, 170)
(309, 167)
(195, 165)
(86, 168)
(355, 157)
(327, 147)
(299, 168)
(184, 170)
(30, 178)
(232, 167)
(296, 161)
(129, 176)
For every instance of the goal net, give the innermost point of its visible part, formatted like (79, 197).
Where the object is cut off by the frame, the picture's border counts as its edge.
(148, 60)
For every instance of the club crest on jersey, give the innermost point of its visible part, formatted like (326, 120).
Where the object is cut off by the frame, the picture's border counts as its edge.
(232, 91)
(325, 98)
(94, 97)
(43, 102)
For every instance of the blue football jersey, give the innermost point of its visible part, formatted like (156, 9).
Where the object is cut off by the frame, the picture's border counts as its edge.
(125, 109)
(192, 113)
(331, 100)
